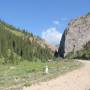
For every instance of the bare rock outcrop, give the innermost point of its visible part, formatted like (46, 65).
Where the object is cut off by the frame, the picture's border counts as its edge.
(75, 35)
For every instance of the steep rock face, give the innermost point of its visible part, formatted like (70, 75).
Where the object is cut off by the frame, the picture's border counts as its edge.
(75, 35)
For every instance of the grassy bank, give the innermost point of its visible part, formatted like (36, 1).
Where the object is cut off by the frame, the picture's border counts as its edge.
(13, 77)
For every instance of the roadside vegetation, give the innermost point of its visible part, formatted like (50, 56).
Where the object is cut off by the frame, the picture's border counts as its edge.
(26, 73)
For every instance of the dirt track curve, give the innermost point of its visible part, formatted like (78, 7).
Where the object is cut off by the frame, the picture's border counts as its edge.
(76, 80)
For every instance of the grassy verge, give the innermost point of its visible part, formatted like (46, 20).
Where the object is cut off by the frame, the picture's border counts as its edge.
(14, 77)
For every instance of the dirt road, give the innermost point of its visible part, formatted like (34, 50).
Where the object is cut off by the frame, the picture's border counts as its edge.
(76, 80)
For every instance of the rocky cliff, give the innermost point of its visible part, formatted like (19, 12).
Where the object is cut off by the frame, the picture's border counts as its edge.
(75, 36)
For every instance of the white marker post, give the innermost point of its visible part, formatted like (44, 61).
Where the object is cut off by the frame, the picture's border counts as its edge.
(46, 70)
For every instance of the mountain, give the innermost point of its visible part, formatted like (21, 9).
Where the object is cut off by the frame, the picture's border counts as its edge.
(17, 45)
(84, 53)
(75, 36)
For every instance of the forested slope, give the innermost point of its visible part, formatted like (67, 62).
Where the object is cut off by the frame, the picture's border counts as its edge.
(17, 45)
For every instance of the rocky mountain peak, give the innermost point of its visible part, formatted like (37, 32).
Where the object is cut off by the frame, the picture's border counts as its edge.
(75, 35)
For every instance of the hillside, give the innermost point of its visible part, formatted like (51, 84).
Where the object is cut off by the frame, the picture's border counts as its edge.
(75, 36)
(17, 45)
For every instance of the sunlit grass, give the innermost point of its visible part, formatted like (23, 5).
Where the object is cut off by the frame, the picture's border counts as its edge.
(26, 73)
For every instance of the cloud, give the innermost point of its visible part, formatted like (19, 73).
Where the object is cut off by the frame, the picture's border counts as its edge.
(56, 22)
(52, 35)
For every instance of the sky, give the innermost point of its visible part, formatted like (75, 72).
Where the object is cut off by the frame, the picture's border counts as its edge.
(45, 18)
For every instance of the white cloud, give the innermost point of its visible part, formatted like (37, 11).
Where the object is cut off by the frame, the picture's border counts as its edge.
(56, 22)
(52, 35)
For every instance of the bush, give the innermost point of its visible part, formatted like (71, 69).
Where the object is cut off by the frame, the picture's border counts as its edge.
(2, 60)
(11, 57)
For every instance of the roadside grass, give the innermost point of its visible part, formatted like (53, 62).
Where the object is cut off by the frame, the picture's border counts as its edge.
(14, 77)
